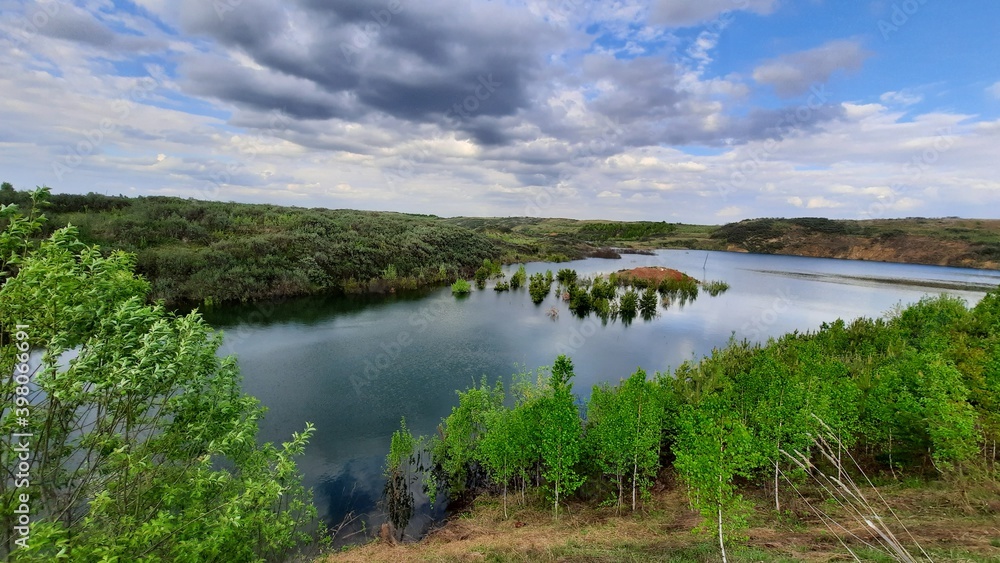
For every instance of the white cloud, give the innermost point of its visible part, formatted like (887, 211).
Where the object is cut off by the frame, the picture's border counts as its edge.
(901, 98)
(821, 202)
(565, 155)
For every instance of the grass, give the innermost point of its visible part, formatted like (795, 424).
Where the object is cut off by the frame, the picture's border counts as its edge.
(665, 531)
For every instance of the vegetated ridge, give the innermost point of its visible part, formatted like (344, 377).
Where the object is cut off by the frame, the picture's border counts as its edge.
(200, 252)
(950, 241)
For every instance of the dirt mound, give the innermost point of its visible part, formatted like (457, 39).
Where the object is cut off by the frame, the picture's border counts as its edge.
(654, 275)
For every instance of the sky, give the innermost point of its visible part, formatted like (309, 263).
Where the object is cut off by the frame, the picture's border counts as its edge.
(706, 111)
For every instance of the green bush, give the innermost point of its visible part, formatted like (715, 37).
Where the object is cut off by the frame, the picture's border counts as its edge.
(461, 287)
(566, 276)
(539, 287)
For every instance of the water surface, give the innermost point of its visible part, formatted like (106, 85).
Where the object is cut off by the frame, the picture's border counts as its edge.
(355, 366)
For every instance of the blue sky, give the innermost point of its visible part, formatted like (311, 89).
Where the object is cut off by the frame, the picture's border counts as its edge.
(707, 112)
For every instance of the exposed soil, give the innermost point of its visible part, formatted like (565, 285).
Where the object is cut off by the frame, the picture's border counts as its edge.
(654, 275)
(905, 248)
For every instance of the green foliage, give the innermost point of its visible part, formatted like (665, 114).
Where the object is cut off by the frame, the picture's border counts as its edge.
(482, 274)
(397, 496)
(626, 231)
(401, 448)
(461, 287)
(624, 428)
(190, 250)
(685, 288)
(493, 269)
(501, 286)
(715, 288)
(559, 434)
(566, 276)
(505, 450)
(389, 273)
(519, 278)
(16, 237)
(647, 303)
(601, 288)
(904, 395)
(145, 447)
(629, 306)
(579, 300)
(754, 235)
(539, 287)
(712, 449)
(461, 432)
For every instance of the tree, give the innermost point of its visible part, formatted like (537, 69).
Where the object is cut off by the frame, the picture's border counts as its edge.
(15, 239)
(647, 303)
(456, 450)
(144, 446)
(559, 433)
(539, 287)
(629, 305)
(519, 278)
(712, 448)
(566, 276)
(502, 449)
(397, 496)
(624, 428)
(482, 274)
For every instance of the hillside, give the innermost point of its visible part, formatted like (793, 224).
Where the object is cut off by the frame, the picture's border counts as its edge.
(966, 243)
(203, 251)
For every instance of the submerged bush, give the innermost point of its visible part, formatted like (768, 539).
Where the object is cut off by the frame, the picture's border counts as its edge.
(461, 287)
(715, 288)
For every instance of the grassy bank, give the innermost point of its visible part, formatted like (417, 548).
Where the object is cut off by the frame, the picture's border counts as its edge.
(948, 526)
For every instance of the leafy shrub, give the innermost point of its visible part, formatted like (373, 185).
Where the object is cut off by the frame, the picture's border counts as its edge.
(519, 278)
(715, 288)
(566, 276)
(539, 287)
(460, 287)
(629, 306)
(647, 303)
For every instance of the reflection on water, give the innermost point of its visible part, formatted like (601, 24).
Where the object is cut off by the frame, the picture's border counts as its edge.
(355, 366)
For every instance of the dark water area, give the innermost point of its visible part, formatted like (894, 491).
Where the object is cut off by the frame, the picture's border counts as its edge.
(354, 366)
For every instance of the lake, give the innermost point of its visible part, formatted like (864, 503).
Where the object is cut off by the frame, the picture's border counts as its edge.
(354, 366)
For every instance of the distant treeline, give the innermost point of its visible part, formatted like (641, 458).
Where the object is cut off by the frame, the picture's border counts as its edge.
(196, 251)
(200, 251)
(626, 231)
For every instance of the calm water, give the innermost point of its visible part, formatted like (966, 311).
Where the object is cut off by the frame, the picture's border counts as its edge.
(354, 367)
